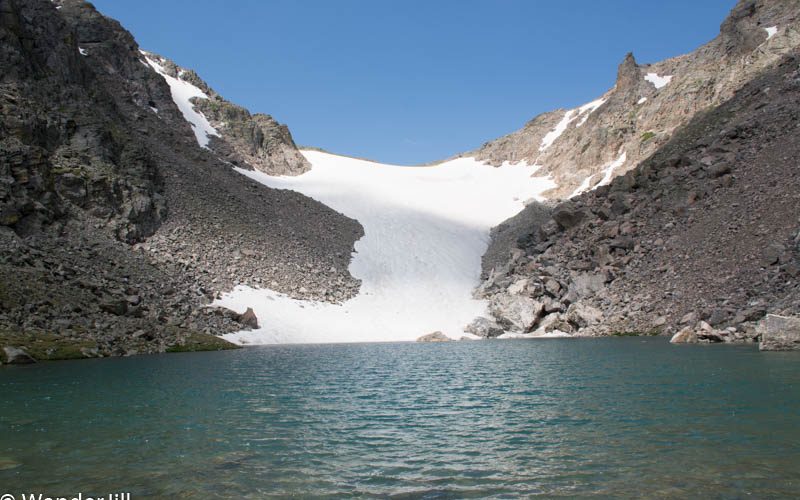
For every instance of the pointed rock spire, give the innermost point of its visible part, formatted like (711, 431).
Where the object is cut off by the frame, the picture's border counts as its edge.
(628, 74)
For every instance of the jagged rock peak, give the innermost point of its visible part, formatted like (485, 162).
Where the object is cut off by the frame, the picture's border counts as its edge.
(591, 144)
(628, 74)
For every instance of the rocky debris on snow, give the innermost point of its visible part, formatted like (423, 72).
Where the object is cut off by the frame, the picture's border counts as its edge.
(434, 337)
(779, 333)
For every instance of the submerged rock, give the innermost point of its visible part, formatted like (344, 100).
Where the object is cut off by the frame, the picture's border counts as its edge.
(8, 464)
(434, 337)
(779, 333)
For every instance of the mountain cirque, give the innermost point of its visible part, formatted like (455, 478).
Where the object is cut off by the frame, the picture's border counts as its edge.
(121, 216)
(115, 227)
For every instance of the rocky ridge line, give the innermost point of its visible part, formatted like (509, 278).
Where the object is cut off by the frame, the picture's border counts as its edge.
(585, 147)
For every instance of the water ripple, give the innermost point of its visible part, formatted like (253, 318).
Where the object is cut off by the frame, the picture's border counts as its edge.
(589, 418)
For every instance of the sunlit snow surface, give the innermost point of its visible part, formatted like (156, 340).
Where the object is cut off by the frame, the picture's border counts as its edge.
(571, 115)
(658, 81)
(426, 229)
(771, 31)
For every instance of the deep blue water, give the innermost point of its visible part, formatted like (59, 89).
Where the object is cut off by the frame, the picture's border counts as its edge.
(614, 417)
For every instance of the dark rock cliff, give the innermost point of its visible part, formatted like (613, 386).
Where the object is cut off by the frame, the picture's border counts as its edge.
(115, 226)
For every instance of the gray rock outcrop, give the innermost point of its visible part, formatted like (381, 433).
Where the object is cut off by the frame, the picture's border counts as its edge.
(434, 337)
(779, 333)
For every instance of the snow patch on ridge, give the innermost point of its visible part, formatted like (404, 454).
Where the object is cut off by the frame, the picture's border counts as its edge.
(588, 109)
(550, 137)
(585, 110)
(771, 31)
(585, 185)
(182, 93)
(426, 229)
(83, 51)
(658, 81)
(642, 100)
(608, 173)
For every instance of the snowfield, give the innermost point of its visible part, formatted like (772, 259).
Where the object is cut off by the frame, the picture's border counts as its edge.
(426, 229)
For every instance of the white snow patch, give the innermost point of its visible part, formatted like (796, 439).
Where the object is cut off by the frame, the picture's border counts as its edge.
(608, 173)
(554, 134)
(642, 100)
(585, 185)
(572, 114)
(658, 81)
(771, 31)
(588, 109)
(182, 91)
(83, 51)
(154, 109)
(426, 229)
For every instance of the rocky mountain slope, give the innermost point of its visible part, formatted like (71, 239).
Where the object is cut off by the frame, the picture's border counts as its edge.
(703, 236)
(247, 141)
(587, 146)
(116, 225)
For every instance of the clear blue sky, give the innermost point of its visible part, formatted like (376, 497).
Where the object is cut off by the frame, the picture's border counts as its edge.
(411, 81)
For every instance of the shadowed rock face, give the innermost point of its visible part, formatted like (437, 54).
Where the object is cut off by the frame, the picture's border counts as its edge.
(115, 226)
(636, 118)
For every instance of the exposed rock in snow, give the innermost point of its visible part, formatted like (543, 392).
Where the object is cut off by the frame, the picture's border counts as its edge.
(771, 31)
(658, 81)
(182, 93)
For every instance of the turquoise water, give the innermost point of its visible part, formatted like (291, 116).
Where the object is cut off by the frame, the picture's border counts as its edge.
(623, 417)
